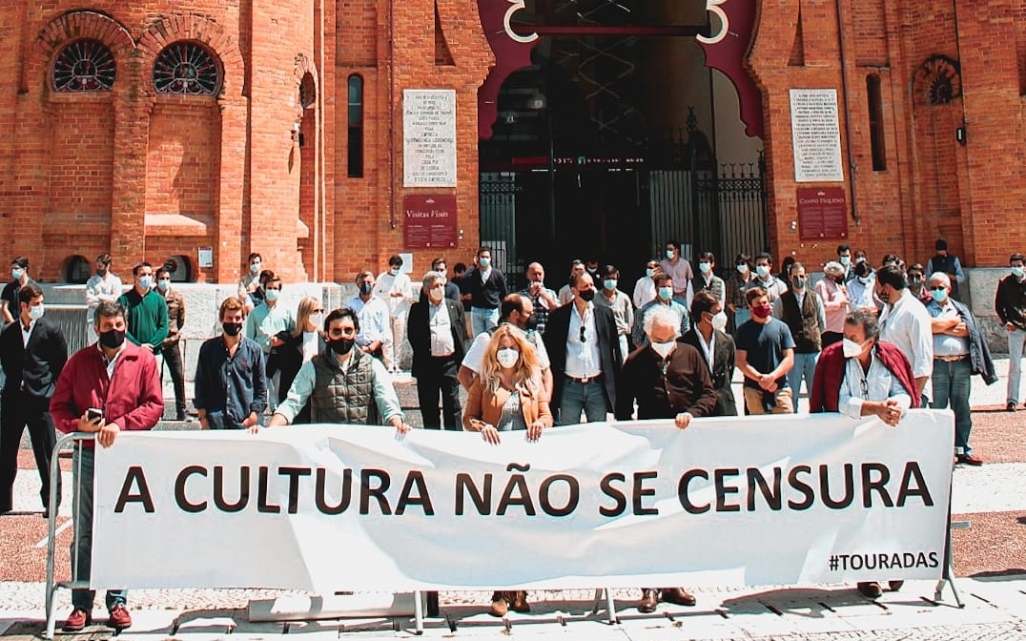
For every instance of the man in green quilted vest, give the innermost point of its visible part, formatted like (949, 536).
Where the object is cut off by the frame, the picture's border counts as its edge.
(343, 385)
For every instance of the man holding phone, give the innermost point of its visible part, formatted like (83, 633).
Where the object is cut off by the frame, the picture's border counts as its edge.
(104, 388)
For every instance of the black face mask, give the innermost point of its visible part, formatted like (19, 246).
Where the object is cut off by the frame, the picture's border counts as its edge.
(587, 295)
(342, 346)
(798, 282)
(232, 329)
(112, 338)
(532, 323)
(366, 288)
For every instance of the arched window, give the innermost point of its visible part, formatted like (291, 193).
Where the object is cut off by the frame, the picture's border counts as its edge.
(75, 269)
(187, 68)
(355, 119)
(84, 65)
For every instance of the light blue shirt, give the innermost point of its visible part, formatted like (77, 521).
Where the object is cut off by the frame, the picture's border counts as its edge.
(878, 384)
(303, 386)
(264, 323)
(374, 319)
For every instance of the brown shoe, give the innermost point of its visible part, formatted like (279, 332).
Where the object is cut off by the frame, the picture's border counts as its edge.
(78, 620)
(519, 603)
(499, 604)
(870, 589)
(894, 586)
(970, 459)
(648, 601)
(119, 618)
(677, 596)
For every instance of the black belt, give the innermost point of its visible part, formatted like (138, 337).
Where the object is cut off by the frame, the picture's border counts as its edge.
(585, 380)
(951, 359)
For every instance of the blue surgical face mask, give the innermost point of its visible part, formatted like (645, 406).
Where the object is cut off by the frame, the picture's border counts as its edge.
(484, 262)
(395, 271)
(649, 273)
(845, 260)
(35, 313)
(609, 283)
(742, 268)
(146, 282)
(254, 268)
(939, 295)
(1018, 272)
(272, 294)
(17, 273)
(762, 270)
(669, 254)
(704, 267)
(163, 284)
(666, 293)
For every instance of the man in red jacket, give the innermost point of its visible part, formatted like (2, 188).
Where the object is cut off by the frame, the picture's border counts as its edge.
(864, 376)
(121, 382)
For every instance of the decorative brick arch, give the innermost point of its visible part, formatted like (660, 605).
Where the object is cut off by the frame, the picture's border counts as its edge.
(76, 25)
(199, 29)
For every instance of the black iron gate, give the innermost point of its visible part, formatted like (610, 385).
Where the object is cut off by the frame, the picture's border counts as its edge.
(677, 191)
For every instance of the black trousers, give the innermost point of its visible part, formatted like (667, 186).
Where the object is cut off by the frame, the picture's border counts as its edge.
(439, 377)
(173, 359)
(16, 412)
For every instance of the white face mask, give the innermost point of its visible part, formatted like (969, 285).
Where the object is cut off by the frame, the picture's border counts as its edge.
(317, 320)
(851, 348)
(508, 357)
(664, 349)
(35, 313)
(719, 321)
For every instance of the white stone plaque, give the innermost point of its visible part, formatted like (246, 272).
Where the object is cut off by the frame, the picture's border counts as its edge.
(429, 138)
(816, 136)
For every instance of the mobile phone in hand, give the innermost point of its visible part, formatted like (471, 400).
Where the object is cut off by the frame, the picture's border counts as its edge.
(94, 413)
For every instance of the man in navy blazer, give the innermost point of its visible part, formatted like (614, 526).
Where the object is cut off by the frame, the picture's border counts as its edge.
(438, 333)
(32, 352)
(584, 352)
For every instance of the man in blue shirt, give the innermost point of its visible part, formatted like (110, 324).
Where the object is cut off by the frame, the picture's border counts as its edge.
(231, 388)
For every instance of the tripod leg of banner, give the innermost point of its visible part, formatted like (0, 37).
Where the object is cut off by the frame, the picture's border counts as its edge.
(610, 606)
(418, 613)
(948, 576)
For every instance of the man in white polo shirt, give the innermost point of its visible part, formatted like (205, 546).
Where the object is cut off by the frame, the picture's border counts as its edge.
(905, 322)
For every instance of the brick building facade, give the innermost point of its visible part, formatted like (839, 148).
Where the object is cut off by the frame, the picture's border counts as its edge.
(293, 146)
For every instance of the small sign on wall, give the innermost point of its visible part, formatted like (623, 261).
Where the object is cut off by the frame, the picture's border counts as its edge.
(822, 213)
(816, 136)
(205, 257)
(430, 222)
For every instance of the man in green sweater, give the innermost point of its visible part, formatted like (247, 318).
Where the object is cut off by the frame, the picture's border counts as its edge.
(145, 310)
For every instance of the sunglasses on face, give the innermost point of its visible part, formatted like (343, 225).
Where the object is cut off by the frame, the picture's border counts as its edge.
(937, 288)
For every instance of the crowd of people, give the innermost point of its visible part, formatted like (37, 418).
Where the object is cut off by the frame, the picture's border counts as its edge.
(864, 341)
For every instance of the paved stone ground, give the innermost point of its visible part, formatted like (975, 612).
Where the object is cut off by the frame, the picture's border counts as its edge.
(991, 552)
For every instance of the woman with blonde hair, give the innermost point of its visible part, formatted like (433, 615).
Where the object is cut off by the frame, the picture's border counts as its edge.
(508, 395)
(299, 346)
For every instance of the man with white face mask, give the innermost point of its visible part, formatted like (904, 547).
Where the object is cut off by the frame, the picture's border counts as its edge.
(668, 379)
(707, 335)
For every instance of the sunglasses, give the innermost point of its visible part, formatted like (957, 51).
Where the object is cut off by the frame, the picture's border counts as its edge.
(584, 338)
(937, 288)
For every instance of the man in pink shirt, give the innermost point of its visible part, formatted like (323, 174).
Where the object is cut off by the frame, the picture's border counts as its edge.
(679, 270)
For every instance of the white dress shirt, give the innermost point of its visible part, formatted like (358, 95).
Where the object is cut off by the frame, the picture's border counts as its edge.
(442, 342)
(906, 323)
(582, 357)
(878, 384)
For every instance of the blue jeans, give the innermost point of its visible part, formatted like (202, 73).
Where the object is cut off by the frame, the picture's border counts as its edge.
(951, 384)
(1015, 343)
(804, 367)
(82, 546)
(577, 398)
(482, 320)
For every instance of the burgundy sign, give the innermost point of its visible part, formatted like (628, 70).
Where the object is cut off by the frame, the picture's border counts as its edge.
(822, 213)
(429, 222)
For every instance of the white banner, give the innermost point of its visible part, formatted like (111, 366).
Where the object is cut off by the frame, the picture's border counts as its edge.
(752, 501)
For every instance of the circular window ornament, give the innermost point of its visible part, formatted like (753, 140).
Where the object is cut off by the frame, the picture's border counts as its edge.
(84, 65)
(186, 68)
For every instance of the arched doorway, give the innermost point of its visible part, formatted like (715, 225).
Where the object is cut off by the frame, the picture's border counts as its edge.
(616, 138)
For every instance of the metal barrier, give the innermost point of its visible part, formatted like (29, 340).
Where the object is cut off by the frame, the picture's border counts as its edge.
(51, 585)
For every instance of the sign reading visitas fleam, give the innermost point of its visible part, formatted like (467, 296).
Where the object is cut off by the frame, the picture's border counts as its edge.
(429, 138)
(816, 136)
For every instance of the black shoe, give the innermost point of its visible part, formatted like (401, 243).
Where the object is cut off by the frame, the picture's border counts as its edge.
(1009, 406)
